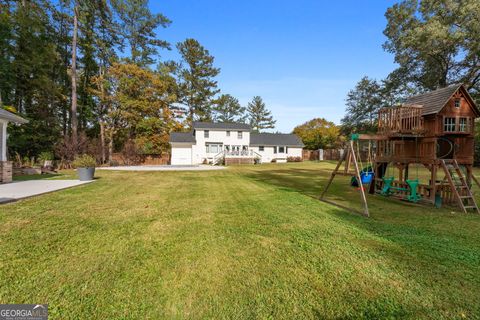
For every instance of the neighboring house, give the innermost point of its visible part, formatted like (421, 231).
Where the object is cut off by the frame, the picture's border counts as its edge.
(233, 143)
(6, 166)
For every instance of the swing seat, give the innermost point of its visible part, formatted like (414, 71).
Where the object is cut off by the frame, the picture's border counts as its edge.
(413, 196)
(366, 177)
(387, 185)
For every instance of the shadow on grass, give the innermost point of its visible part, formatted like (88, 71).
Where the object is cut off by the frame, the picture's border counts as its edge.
(425, 244)
(28, 177)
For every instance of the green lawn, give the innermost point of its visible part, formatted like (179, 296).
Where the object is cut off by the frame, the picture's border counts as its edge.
(247, 242)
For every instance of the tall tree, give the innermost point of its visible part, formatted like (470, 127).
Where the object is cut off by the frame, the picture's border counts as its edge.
(138, 30)
(197, 82)
(259, 116)
(363, 104)
(138, 102)
(29, 84)
(228, 109)
(73, 70)
(319, 133)
(436, 42)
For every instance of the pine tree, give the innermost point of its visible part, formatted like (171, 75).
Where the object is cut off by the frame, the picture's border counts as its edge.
(260, 118)
(228, 109)
(196, 80)
(138, 30)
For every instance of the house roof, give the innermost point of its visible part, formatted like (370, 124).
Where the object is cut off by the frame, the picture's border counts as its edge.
(275, 139)
(434, 101)
(4, 114)
(221, 126)
(182, 137)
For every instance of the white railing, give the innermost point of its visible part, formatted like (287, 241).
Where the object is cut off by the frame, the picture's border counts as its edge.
(242, 153)
(218, 157)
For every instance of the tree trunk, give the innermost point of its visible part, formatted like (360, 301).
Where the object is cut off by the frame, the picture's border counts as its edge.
(74, 120)
(102, 141)
(110, 145)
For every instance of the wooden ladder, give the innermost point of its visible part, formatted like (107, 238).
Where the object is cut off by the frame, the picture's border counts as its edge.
(460, 189)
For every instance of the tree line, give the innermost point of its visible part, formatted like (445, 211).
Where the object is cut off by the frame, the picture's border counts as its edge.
(89, 77)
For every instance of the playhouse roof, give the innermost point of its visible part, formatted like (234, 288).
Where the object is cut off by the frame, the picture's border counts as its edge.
(434, 101)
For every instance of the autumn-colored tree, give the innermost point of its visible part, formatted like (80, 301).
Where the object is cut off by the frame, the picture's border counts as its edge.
(319, 133)
(137, 103)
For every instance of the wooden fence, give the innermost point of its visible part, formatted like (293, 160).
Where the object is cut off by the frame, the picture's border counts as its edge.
(147, 160)
(328, 154)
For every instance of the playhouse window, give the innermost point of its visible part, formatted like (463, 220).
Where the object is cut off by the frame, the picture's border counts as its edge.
(449, 125)
(462, 125)
(457, 103)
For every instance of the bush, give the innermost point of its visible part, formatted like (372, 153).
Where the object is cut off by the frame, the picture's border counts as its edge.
(84, 161)
(294, 159)
(45, 156)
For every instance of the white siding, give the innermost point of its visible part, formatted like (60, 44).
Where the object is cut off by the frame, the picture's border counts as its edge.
(216, 136)
(268, 155)
(181, 154)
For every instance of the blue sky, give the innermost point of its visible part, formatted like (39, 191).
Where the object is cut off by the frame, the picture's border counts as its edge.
(301, 57)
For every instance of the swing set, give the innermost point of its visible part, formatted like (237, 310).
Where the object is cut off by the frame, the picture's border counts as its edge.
(427, 131)
(364, 174)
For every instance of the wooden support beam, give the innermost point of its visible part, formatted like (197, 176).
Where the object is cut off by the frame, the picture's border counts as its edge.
(350, 155)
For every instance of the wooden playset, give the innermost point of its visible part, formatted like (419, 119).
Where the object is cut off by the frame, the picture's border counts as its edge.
(434, 130)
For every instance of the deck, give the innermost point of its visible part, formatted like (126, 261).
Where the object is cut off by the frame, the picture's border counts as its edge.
(401, 121)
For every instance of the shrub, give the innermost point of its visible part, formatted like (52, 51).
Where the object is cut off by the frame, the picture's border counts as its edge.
(84, 161)
(294, 159)
(45, 156)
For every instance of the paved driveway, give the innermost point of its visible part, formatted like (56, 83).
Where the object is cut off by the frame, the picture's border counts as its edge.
(163, 168)
(24, 189)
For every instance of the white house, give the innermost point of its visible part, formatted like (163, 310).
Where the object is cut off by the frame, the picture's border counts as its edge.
(6, 166)
(233, 143)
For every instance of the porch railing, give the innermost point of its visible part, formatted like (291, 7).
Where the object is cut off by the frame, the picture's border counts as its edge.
(405, 119)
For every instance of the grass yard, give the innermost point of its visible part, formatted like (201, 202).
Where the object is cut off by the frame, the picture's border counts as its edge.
(247, 242)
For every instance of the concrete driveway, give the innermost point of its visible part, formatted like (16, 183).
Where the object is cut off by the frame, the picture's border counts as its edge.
(23, 189)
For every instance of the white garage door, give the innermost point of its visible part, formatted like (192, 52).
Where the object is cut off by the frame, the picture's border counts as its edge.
(181, 156)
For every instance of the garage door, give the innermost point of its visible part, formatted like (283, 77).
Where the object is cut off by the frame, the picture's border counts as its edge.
(181, 156)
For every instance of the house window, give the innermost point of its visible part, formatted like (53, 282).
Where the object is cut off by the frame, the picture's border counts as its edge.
(228, 133)
(457, 103)
(240, 134)
(281, 149)
(213, 147)
(286, 149)
(449, 125)
(206, 134)
(274, 149)
(462, 125)
(261, 148)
